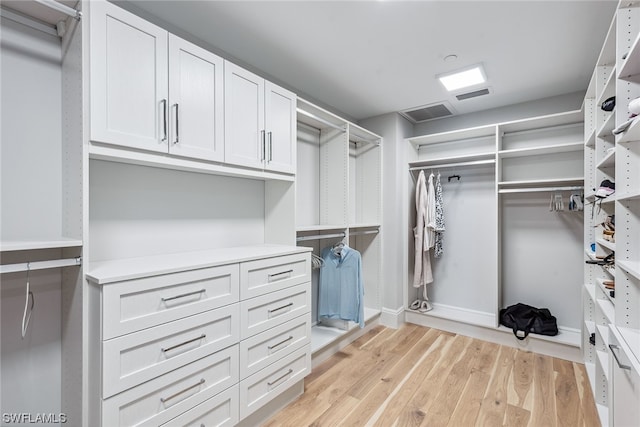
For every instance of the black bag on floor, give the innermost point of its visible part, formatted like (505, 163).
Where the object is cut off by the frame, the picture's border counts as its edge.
(523, 319)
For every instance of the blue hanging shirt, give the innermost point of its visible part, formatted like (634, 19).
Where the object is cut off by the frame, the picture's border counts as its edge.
(340, 290)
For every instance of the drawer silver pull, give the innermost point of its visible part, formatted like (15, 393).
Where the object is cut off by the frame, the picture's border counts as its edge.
(279, 274)
(280, 308)
(271, 347)
(166, 399)
(289, 372)
(173, 347)
(188, 294)
(615, 356)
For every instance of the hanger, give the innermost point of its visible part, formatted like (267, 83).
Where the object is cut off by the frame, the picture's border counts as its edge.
(450, 177)
(26, 315)
(316, 261)
(337, 248)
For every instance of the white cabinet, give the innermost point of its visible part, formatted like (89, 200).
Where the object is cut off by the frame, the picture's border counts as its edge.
(128, 75)
(259, 122)
(151, 90)
(624, 374)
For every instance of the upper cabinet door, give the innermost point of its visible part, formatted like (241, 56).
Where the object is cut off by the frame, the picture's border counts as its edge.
(129, 86)
(280, 121)
(196, 94)
(244, 142)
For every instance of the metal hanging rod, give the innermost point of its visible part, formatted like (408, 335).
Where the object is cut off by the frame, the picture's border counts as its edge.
(360, 233)
(52, 4)
(453, 165)
(321, 236)
(321, 120)
(540, 189)
(40, 265)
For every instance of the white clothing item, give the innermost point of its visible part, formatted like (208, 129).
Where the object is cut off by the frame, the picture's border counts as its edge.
(422, 263)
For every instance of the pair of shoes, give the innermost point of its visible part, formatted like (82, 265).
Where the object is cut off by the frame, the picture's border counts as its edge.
(425, 306)
(415, 305)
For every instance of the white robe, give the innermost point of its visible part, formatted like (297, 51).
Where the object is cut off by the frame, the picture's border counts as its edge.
(422, 274)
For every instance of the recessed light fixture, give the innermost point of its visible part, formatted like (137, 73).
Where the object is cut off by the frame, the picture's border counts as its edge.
(450, 58)
(470, 76)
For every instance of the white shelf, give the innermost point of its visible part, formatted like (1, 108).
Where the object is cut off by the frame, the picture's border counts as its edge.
(590, 326)
(457, 135)
(360, 134)
(591, 140)
(321, 227)
(166, 161)
(364, 225)
(537, 151)
(609, 88)
(472, 317)
(591, 290)
(605, 290)
(452, 159)
(608, 309)
(608, 161)
(629, 196)
(322, 336)
(542, 122)
(632, 133)
(603, 413)
(631, 338)
(565, 336)
(607, 244)
(630, 69)
(543, 182)
(633, 268)
(603, 331)
(603, 360)
(317, 117)
(26, 245)
(605, 131)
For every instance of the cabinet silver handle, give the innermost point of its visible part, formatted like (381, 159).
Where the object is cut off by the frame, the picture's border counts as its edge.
(270, 146)
(188, 294)
(263, 146)
(173, 347)
(164, 118)
(271, 347)
(166, 399)
(290, 371)
(279, 274)
(615, 356)
(280, 308)
(177, 124)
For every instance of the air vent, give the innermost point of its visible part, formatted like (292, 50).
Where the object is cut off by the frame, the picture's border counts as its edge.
(428, 112)
(473, 94)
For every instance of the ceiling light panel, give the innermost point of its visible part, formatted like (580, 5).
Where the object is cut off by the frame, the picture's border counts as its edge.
(471, 76)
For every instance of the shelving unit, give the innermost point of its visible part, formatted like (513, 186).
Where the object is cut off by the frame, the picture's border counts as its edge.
(338, 198)
(507, 172)
(615, 158)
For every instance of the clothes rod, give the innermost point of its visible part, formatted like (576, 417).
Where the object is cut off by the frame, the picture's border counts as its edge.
(40, 265)
(52, 4)
(321, 120)
(321, 236)
(540, 189)
(453, 165)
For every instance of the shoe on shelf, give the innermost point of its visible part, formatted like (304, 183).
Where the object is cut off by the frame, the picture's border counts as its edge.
(415, 305)
(425, 306)
(606, 189)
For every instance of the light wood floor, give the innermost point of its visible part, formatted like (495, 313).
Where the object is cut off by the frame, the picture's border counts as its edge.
(420, 376)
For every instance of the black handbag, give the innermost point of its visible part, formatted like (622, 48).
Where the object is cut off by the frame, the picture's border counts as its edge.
(524, 319)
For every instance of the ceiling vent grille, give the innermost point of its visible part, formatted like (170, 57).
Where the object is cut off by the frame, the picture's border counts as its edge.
(473, 94)
(428, 112)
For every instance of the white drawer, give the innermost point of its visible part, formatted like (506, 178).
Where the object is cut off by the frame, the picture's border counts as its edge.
(266, 311)
(263, 349)
(222, 410)
(134, 305)
(265, 385)
(160, 400)
(134, 358)
(272, 274)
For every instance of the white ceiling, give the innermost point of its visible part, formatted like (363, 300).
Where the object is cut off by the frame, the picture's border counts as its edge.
(366, 58)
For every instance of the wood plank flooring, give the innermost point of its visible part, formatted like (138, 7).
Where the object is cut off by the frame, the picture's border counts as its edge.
(417, 376)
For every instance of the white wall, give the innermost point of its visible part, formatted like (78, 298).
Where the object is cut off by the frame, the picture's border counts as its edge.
(136, 211)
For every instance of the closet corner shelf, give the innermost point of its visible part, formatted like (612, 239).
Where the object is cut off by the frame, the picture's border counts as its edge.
(631, 267)
(26, 245)
(537, 151)
(632, 133)
(607, 244)
(609, 161)
(165, 161)
(606, 130)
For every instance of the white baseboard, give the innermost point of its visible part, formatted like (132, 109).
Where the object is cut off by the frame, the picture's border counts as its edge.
(392, 318)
